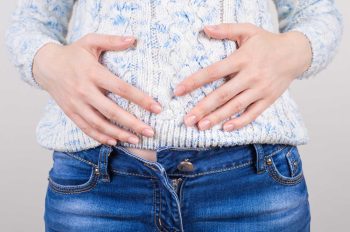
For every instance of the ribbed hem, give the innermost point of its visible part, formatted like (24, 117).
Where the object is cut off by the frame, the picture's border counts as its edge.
(280, 123)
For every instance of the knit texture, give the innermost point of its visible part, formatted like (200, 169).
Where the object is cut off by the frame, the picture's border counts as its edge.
(171, 46)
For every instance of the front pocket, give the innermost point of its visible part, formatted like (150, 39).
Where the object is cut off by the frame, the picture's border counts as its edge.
(69, 175)
(285, 166)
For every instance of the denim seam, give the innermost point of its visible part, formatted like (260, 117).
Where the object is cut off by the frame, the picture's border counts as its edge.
(171, 148)
(88, 186)
(214, 171)
(132, 174)
(277, 151)
(81, 159)
(185, 148)
(276, 175)
(155, 204)
(103, 162)
(284, 180)
(181, 192)
(291, 162)
(161, 226)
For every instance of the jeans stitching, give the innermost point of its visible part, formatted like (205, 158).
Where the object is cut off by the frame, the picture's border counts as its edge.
(154, 204)
(214, 171)
(132, 174)
(81, 159)
(277, 151)
(181, 191)
(297, 179)
(273, 172)
(86, 187)
(161, 226)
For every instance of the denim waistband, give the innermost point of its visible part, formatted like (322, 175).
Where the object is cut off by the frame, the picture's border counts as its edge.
(119, 160)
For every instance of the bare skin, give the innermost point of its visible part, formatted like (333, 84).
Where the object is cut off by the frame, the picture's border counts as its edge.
(260, 71)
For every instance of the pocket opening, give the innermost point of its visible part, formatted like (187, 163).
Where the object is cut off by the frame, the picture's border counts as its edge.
(69, 175)
(285, 167)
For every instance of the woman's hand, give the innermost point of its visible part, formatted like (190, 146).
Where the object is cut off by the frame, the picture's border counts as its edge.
(257, 73)
(78, 83)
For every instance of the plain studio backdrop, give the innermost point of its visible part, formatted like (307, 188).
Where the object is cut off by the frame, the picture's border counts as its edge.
(323, 101)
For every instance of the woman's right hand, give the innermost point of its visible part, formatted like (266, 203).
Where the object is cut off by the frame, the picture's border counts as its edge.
(78, 83)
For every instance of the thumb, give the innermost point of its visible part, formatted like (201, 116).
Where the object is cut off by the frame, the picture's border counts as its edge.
(233, 31)
(104, 42)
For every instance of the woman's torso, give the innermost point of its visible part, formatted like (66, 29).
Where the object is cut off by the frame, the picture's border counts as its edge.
(170, 47)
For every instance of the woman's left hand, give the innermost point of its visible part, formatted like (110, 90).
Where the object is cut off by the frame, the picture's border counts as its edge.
(259, 71)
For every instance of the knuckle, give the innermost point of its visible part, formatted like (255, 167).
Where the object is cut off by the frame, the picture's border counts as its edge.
(70, 114)
(111, 40)
(199, 111)
(249, 118)
(223, 97)
(212, 72)
(95, 124)
(238, 106)
(102, 139)
(123, 136)
(146, 103)
(86, 129)
(136, 125)
(215, 118)
(121, 89)
(82, 90)
(254, 78)
(239, 123)
(111, 114)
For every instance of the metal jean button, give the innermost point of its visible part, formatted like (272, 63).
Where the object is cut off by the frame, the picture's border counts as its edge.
(185, 166)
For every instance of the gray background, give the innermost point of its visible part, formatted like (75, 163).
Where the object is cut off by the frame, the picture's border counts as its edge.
(324, 102)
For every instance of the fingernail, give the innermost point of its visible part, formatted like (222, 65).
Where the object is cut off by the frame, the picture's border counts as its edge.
(156, 108)
(128, 38)
(190, 120)
(212, 27)
(228, 127)
(112, 142)
(133, 140)
(148, 132)
(179, 90)
(203, 125)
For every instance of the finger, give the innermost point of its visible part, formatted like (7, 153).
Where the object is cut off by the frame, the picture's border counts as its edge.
(236, 105)
(108, 81)
(215, 99)
(106, 42)
(232, 31)
(91, 132)
(111, 110)
(220, 69)
(249, 115)
(97, 122)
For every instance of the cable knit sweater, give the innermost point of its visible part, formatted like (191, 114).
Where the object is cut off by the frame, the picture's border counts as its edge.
(170, 47)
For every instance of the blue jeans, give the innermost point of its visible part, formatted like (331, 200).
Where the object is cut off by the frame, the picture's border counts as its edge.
(254, 187)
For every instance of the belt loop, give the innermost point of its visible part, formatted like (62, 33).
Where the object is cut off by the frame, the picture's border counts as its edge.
(103, 162)
(259, 162)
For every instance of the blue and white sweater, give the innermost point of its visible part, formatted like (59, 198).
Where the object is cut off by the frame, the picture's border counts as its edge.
(170, 47)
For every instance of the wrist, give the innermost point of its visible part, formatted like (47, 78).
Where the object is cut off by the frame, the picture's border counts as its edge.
(42, 60)
(301, 51)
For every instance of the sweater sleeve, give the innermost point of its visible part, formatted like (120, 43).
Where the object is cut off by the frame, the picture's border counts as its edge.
(33, 24)
(321, 23)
